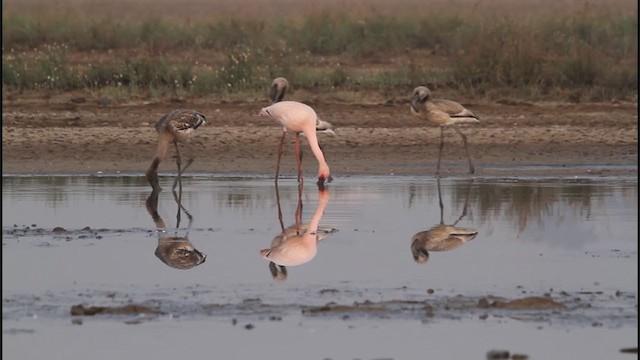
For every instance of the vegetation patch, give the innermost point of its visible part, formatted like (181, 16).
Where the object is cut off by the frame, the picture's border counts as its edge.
(578, 53)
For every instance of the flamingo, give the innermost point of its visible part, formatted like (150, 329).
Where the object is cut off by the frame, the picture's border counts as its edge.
(176, 126)
(279, 87)
(443, 113)
(298, 243)
(300, 118)
(441, 237)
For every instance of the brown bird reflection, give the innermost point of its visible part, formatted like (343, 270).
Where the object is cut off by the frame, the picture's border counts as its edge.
(441, 237)
(298, 243)
(174, 250)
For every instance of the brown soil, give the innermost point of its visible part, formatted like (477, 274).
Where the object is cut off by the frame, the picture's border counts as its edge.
(76, 135)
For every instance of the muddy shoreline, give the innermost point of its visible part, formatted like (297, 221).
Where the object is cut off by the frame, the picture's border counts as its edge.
(63, 135)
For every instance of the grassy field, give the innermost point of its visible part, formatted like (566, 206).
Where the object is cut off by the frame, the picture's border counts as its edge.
(540, 50)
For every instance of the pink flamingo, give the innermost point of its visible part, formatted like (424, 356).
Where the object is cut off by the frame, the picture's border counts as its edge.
(298, 243)
(443, 113)
(300, 118)
(279, 88)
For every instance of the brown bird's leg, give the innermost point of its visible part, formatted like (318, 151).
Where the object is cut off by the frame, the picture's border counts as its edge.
(178, 198)
(299, 158)
(152, 208)
(280, 151)
(175, 181)
(179, 164)
(440, 203)
(466, 204)
(440, 149)
(466, 148)
(152, 175)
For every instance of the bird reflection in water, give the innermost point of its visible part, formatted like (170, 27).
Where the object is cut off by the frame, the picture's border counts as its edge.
(441, 237)
(174, 250)
(298, 243)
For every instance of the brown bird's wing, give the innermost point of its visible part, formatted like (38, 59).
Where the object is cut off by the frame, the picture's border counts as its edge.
(452, 108)
(180, 120)
(187, 119)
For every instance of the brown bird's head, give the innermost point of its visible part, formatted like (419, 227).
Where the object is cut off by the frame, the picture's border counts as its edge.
(420, 95)
(279, 87)
(420, 255)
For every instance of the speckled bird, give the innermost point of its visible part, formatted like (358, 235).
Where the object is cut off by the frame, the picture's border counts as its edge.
(442, 113)
(175, 127)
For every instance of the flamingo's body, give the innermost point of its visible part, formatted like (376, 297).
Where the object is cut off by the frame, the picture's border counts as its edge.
(174, 127)
(442, 113)
(298, 244)
(300, 118)
(279, 87)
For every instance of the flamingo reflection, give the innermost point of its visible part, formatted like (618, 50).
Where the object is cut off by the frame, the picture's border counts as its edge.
(298, 243)
(441, 237)
(174, 250)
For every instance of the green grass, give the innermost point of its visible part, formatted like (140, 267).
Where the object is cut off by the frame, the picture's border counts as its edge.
(532, 56)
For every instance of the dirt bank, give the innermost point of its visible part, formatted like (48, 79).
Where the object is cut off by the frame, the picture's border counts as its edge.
(71, 134)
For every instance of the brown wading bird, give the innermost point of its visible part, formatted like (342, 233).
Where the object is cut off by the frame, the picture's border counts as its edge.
(443, 113)
(176, 126)
(441, 237)
(173, 250)
(279, 87)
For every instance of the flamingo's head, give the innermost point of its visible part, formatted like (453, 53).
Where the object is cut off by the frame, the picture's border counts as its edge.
(420, 95)
(324, 175)
(264, 112)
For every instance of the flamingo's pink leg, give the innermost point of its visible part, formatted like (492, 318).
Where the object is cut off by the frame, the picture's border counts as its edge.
(280, 151)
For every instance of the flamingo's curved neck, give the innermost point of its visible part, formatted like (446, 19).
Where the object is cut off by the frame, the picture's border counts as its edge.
(315, 147)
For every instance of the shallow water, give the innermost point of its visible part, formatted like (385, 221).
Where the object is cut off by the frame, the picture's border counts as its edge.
(574, 241)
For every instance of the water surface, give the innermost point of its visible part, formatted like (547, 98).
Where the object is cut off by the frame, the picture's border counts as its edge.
(573, 241)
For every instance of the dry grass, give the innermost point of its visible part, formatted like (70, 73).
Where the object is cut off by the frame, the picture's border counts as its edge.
(269, 10)
(577, 50)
